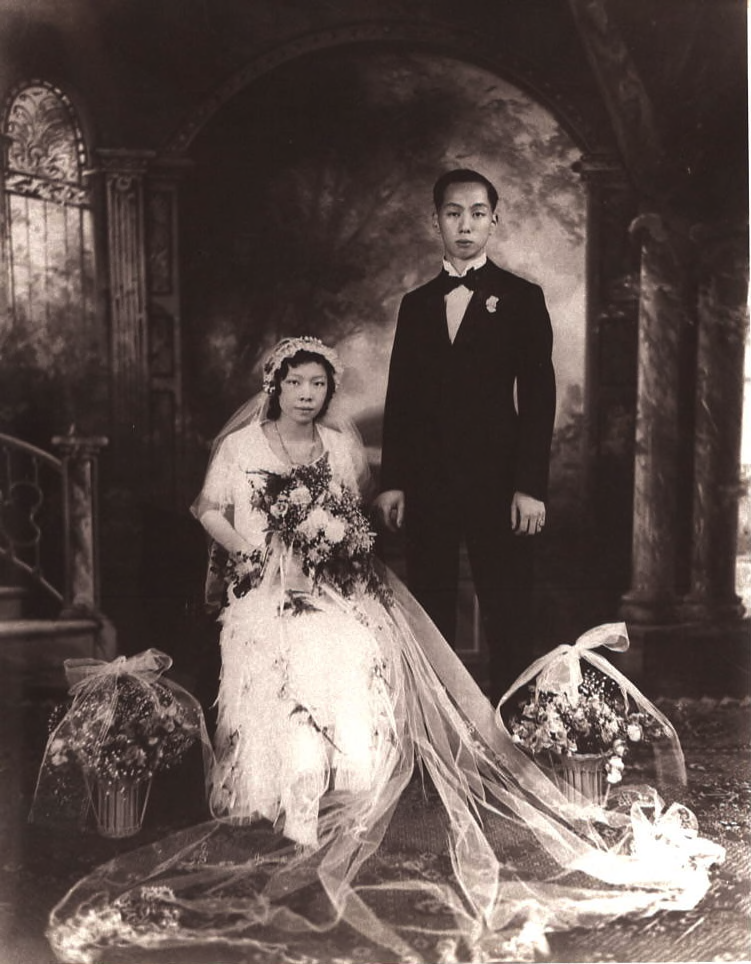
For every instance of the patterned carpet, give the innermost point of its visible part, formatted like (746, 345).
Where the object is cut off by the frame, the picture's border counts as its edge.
(39, 865)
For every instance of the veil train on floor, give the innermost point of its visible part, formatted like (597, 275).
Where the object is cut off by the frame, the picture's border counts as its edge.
(577, 864)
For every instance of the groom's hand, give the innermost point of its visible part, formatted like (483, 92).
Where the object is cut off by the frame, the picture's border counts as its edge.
(389, 507)
(527, 515)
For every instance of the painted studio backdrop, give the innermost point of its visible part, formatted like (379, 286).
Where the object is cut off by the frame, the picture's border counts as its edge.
(308, 210)
(185, 182)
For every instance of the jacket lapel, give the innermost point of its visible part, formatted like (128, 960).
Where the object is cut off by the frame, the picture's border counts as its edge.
(435, 314)
(482, 313)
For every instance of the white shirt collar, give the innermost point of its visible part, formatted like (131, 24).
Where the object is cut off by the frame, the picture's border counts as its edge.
(453, 273)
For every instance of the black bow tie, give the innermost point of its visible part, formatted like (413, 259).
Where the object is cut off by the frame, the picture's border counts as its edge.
(469, 280)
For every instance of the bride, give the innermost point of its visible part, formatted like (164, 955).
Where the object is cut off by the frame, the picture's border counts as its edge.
(305, 699)
(334, 685)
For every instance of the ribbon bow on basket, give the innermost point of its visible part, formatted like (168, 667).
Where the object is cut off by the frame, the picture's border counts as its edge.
(148, 666)
(123, 723)
(558, 676)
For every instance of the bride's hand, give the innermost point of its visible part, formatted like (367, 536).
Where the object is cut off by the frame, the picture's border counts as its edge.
(241, 556)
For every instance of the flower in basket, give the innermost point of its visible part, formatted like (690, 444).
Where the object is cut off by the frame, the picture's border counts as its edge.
(124, 723)
(599, 721)
(572, 712)
(319, 520)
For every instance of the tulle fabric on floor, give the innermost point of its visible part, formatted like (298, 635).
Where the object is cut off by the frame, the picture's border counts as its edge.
(309, 712)
(510, 858)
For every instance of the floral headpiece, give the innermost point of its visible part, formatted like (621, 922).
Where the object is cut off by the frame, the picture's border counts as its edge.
(288, 348)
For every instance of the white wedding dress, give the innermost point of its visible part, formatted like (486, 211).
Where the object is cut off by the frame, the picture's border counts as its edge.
(328, 700)
(305, 700)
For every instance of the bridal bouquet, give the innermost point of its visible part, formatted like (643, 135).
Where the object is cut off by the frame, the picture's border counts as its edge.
(124, 724)
(599, 720)
(320, 521)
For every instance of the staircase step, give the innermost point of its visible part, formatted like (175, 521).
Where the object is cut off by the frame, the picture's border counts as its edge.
(12, 599)
(32, 628)
(32, 650)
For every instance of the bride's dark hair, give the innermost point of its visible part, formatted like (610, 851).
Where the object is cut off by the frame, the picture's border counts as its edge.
(301, 357)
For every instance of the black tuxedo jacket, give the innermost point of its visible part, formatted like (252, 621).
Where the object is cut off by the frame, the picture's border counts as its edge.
(451, 423)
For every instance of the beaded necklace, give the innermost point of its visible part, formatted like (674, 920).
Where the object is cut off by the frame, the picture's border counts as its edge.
(313, 443)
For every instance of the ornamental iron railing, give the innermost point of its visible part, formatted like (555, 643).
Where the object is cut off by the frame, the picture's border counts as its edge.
(49, 519)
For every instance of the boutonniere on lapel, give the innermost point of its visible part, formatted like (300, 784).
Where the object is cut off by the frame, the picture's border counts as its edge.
(491, 304)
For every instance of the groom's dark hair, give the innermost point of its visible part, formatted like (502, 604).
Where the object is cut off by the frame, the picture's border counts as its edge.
(462, 175)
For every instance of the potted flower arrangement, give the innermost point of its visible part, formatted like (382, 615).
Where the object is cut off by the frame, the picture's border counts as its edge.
(583, 741)
(124, 724)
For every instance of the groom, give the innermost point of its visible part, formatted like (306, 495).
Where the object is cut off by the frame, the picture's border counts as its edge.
(467, 429)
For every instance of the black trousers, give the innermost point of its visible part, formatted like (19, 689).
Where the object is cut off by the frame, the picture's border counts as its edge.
(502, 566)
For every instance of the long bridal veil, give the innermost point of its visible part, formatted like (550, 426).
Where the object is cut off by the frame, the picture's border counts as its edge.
(522, 860)
(515, 858)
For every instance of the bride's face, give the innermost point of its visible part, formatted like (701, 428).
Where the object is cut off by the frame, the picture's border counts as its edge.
(303, 392)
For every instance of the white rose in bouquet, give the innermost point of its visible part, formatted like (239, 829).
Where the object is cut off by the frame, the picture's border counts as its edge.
(335, 530)
(321, 523)
(300, 496)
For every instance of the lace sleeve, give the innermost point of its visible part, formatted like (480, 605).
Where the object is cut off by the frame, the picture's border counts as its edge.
(349, 458)
(217, 486)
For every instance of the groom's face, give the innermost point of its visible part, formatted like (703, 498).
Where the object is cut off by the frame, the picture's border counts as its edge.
(465, 221)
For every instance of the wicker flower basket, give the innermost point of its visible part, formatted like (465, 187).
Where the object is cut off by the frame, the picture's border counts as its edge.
(580, 775)
(119, 807)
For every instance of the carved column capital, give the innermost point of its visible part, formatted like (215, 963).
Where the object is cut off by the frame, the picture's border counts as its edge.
(123, 169)
(124, 160)
(600, 167)
(79, 446)
(171, 166)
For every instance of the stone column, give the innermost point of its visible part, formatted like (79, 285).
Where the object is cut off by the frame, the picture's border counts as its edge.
(124, 173)
(164, 332)
(665, 324)
(5, 143)
(79, 458)
(610, 368)
(722, 329)
(123, 176)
